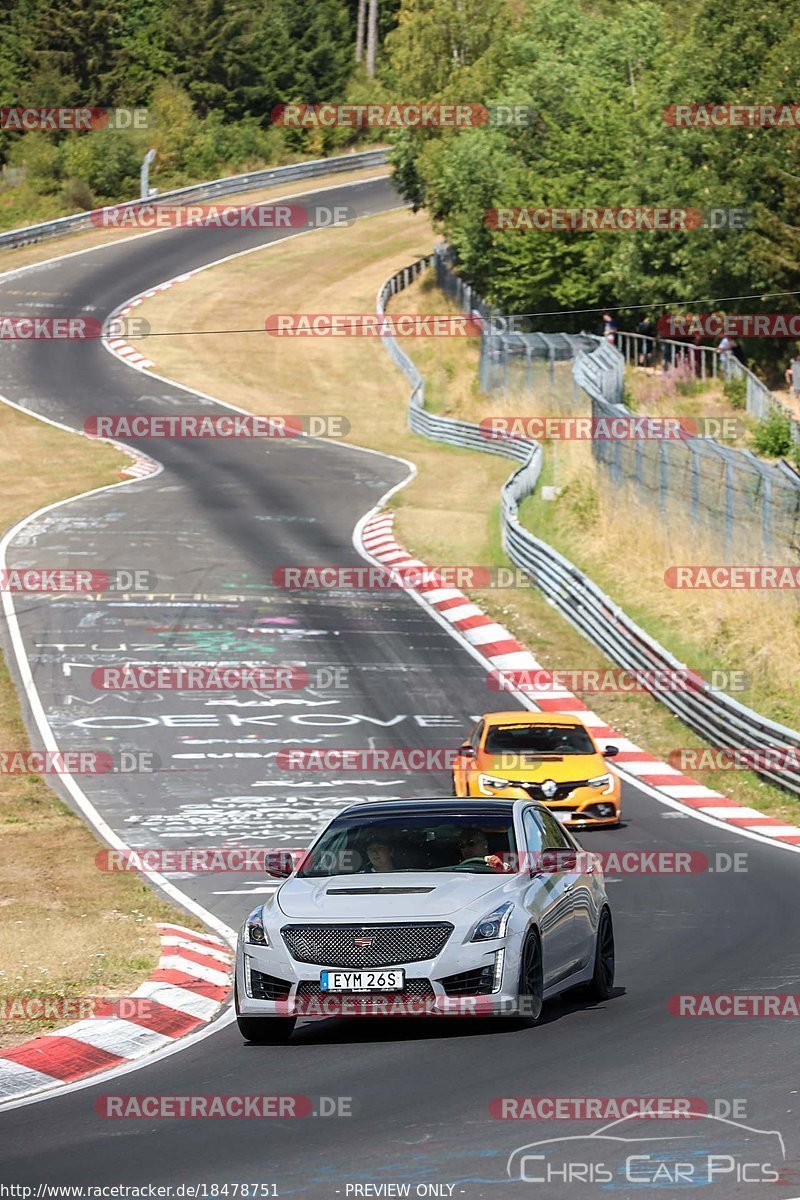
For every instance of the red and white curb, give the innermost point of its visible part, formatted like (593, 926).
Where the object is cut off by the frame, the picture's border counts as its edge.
(193, 979)
(118, 345)
(502, 651)
(128, 353)
(141, 467)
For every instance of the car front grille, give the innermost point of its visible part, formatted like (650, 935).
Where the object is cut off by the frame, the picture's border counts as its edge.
(563, 790)
(268, 987)
(365, 945)
(478, 982)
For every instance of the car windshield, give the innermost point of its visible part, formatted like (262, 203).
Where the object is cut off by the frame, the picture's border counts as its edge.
(358, 843)
(538, 740)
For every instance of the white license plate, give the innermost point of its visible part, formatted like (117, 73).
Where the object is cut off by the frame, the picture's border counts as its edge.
(362, 981)
(563, 814)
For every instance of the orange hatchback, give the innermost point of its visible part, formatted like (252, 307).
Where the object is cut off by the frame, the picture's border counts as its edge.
(551, 757)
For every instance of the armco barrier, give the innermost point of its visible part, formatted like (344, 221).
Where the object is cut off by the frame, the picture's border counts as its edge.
(715, 716)
(202, 191)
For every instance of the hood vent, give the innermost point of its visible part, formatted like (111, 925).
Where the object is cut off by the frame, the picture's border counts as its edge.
(379, 891)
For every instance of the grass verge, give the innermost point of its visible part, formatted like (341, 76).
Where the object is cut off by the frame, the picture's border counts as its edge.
(448, 514)
(68, 928)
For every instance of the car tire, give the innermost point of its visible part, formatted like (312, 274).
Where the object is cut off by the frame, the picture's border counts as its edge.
(601, 985)
(263, 1031)
(531, 980)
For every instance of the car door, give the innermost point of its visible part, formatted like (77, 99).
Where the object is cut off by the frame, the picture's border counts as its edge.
(549, 899)
(583, 892)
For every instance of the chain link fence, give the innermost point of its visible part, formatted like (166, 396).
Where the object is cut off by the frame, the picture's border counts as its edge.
(749, 506)
(718, 717)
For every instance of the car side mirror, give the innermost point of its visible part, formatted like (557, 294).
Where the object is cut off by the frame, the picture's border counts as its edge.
(466, 750)
(610, 751)
(550, 862)
(279, 864)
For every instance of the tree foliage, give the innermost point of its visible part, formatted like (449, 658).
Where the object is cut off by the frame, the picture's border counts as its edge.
(599, 77)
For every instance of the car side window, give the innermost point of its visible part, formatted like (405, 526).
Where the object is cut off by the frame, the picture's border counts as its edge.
(475, 736)
(553, 836)
(533, 834)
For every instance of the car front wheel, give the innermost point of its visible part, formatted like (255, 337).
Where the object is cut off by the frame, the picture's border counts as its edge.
(266, 1031)
(601, 985)
(263, 1031)
(531, 980)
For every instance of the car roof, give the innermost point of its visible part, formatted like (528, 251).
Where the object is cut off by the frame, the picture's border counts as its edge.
(516, 717)
(382, 808)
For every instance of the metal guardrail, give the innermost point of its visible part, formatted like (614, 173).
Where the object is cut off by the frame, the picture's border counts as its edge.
(714, 715)
(226, 186)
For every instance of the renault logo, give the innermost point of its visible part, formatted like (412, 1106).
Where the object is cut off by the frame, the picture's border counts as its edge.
(549, 788)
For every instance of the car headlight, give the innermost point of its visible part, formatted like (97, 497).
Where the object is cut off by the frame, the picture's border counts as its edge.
(605, 782)
(493, 781)
(493, 925)
(254, 932)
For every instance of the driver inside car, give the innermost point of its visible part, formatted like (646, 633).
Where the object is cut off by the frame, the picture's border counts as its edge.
(473, 843)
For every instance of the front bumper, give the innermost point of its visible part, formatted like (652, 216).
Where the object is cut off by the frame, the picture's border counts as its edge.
(585, 805)
(425, 993)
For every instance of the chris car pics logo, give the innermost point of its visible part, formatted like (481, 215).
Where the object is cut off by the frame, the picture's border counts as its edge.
(642, 1152)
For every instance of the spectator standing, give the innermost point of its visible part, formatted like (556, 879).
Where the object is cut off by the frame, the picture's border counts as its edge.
(609, 329)
(737, 351)
(792, 375)
(725, 348)
(697, 354)
(646, 329)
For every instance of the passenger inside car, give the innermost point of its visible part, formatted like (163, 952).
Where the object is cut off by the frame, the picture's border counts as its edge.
(381, 857)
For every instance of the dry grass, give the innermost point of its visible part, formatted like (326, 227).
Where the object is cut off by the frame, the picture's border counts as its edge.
(68, 929)
(454, 522)
(677, 393)
(601, 528)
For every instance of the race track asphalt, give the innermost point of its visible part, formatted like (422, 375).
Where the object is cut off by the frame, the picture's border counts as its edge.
(211, 529)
